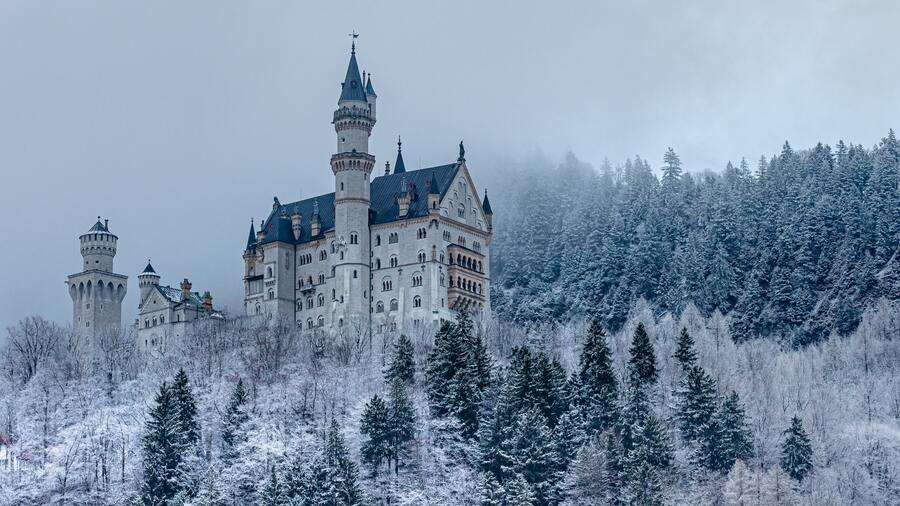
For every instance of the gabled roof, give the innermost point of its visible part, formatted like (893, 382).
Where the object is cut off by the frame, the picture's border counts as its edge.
(352, 87)
(174, 295)
(384, 191)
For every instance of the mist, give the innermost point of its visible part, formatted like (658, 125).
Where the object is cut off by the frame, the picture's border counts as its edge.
(180, 122)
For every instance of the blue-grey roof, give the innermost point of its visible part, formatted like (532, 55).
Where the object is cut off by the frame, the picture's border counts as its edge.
(174, 295)
(148, 269)
(384, 191)
(99, 227)
(399, 166)
(370, 90)
(252, 237)
(352, 87)
(486, 204)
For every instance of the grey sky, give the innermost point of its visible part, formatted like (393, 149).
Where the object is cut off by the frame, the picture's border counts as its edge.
(180, 120)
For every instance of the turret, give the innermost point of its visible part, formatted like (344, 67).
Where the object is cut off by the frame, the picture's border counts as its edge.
(399, 166)
(98, 247)
(147, 280)
(403, 199)
(207, 302)
(434, 195)
(488, 213)
(185, 289)
(296, 224)
(315, 221)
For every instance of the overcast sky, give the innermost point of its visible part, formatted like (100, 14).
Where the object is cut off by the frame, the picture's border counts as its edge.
(179, 121)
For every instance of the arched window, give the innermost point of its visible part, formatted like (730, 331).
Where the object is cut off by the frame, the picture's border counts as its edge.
(442, 279)
(309, 303)
(271, 294)
(309, 323)
(299, 305)
(154, 321)
(393, 238)
(268, 272)
(447, 235)
(476, 246)
(394, 261)
(417, 279)
(321, 279)
(340, 322)
(332, 247)
(300, 283)
(378, 263)
(320, 321)
(386, 285)
(417, 301)
(461, 212)
(320, 299)
(323, 255)
(421, 257)
(354, 274)
(354, 238)
(393, 304)
(342, 255)
(479, 266)
(377, 240)
(379, 308)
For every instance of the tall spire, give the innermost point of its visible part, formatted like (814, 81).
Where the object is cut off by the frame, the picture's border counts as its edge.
(486, 204)
(399, 167)
(251, 239)
(370, 90)
(352, 88)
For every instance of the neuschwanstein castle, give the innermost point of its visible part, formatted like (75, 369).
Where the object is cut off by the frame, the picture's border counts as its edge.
(393, 252)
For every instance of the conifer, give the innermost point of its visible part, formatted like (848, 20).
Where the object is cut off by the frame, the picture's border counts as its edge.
(684, 352)
(737, 441)
(233, 430)
(402, 364)
(796, 451)
(599, 387)
(375, 425)
(642, 362)
(163, 450)
(401, 422)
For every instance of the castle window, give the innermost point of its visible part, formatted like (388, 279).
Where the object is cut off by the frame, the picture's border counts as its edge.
(340, 322)
(421, 257)
(320, 321)
(378, 263)
(309, 303)
(379, 308)
(323, 255)
(393, 238)
(442, 257)
(154, 321)
(342, 255)
(321, 279)
(268, 272)
(354, 274)
(417, 301)
(354, 239)
(386, 285)
(309, 323)
(393, 325)
(461, 212)
(299, 305)
(447, 235)
(271, 294)
(394, 261)
(332, 247)
(162, 319)
(342, 186)
(417, 280)
(321, 300)
(377, 240)
(393, 304)
(476, 246)
(146, 324)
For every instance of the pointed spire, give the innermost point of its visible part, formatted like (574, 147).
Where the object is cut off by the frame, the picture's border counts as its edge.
(370, 90)
(399, 167)
(352, 87)
(486, 204)
(251, 239)
(148, 269)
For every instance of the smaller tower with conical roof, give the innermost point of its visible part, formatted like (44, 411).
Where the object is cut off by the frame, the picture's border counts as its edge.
(97, 292)
(146, 281)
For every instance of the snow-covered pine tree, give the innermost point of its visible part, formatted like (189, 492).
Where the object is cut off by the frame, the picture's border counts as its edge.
(642, 360)
(696, 415)
(644, 486)
(533, 455)
(401, 423)
(599, 386)
(737, 440)
(162, 448)
(209, 493)
(796, 451)
(375, 425)
(233, 430)
(519, 492)
(273, 492)
(333, 475)
(492, 492)
(186, 408)
(403, 365)
(684, 352)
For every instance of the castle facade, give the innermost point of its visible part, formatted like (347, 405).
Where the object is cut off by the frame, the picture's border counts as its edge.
(402, 250)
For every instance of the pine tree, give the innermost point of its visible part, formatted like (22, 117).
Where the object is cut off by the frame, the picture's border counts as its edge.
(209, 493)
(533, 455)
(375, 425)
(696, 414)
(402, 365)
(599, 387)
(272, 493)
(653, 446)
(519, 492)
(401, 422)
(613, 478)
(684, 353)
(796, 451)
(492, 492)
(233, 426)
(333, 476)
(642, 363)
(163, 450)
(186, 408)
(644, 486)
(737, 441)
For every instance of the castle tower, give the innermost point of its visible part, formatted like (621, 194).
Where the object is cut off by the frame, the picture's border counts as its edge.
(351, 164)
(96, 291)
(147, 280)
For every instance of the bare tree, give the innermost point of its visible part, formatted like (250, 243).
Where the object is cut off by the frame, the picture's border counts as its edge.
(31, 342)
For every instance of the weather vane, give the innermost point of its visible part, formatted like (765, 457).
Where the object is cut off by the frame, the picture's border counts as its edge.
(353, 35)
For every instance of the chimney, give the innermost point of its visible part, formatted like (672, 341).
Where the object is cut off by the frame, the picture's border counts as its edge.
(207, 302)
(106, 224)
(185, 289)
(296, 219)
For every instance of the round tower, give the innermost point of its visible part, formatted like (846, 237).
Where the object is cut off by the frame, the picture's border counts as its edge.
(97, 291)
(98, 247)
(351, 164)
(146, 281)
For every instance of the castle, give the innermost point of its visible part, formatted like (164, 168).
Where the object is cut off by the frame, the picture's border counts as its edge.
(402, 250)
